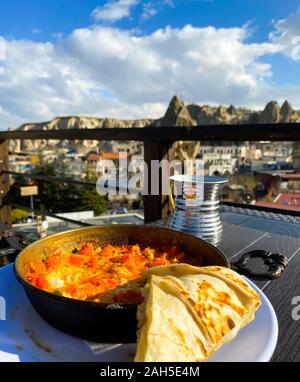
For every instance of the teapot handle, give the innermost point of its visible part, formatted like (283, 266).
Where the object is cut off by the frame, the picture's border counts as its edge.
(171, 198)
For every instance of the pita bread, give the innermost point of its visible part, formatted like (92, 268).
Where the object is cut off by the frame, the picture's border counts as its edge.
(189, 312)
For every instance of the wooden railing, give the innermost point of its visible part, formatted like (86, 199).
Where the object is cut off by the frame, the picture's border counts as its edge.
(158, 145)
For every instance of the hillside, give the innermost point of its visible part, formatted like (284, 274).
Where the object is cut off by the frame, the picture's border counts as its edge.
(177, 114)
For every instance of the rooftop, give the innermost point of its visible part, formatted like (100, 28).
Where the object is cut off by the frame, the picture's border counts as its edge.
(107, 155)
(288, 200)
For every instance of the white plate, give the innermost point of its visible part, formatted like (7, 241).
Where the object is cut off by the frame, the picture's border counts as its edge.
(25, 337)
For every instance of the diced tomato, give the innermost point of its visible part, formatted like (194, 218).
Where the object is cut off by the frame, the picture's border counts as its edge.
(96, 282)
(91, 271)
(131, 263)
(87, 249)
(91, 261)
(38, 267)
(125, 258)
(52, 261)
(106, 283)
(111, 283)
(77, 259)
(41, 282)
(107, 251)
(158, 261)
(31, 277)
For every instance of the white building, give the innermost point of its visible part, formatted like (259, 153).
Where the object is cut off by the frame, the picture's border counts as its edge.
(277, 151)
(234, 150)
(130, 147)
(220, 164)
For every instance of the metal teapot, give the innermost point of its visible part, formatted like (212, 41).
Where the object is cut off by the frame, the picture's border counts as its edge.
(196, 206)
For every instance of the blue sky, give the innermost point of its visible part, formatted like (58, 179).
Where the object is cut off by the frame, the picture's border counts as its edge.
(126, 58)
(20, 17)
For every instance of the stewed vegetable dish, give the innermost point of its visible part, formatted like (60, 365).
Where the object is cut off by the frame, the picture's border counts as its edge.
(109, 274)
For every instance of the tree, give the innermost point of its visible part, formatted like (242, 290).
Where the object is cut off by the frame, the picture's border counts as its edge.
(59, 197)
(248, 182)
(18, 215)
(91, 200)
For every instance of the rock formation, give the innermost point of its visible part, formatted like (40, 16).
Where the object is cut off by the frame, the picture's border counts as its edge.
(286, 112)
(177, 114)
(271, 113)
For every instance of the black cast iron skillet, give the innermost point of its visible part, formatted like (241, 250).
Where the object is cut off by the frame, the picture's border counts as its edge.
(95, 321)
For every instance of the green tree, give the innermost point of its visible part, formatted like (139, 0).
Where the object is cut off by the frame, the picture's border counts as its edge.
(91, 200)
(248, 182)
(61, 197)
(18, 215)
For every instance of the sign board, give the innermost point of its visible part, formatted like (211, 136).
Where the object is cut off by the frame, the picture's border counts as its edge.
(28, 190)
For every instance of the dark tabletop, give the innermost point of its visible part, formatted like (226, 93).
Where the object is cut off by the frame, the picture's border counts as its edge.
(245, 230)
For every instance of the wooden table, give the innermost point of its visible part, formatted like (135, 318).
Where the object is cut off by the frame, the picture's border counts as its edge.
(245, 230)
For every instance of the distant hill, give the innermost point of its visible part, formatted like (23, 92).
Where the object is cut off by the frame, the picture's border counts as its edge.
(177, 114)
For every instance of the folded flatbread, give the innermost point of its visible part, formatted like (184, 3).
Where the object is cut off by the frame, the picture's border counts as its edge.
(189, 312)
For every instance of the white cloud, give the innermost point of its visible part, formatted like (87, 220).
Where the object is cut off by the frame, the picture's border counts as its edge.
(36, 31)
(192, 61)
(151, 8)
(114, 10)
(109, 72)
(41, 80)
(287, 34)
(2, 49)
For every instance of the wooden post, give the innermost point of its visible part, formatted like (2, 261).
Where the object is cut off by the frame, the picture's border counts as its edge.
(156, 206)
(5, 210)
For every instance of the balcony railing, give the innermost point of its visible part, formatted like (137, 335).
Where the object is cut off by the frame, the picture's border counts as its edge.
(158, 145)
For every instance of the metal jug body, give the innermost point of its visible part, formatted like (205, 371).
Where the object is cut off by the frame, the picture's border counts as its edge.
(196, 208)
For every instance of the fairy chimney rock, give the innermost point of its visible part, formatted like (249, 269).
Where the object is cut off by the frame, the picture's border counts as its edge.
(286, 112)
(177, 114)
(271, 113)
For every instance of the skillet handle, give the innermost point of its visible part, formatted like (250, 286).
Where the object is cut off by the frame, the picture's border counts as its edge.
(275, 262)
(13, 244)
(11, 253)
